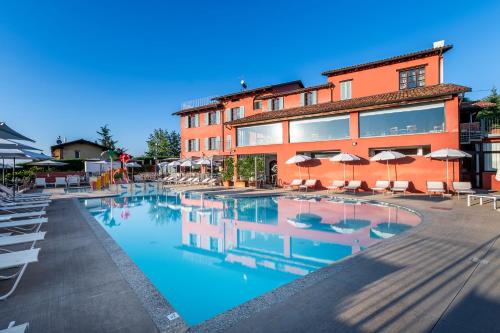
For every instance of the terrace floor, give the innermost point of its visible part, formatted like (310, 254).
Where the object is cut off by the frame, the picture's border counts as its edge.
(443, 276)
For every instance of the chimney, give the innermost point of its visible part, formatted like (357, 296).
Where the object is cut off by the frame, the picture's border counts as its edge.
(438, 44)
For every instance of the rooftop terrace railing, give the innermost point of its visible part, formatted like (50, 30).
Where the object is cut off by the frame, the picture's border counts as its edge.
(194, 103)
(476, 131)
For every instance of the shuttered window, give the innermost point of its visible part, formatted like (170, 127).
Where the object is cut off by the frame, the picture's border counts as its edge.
(346, 90)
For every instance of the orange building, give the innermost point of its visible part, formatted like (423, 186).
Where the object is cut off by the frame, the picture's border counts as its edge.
(400, 103)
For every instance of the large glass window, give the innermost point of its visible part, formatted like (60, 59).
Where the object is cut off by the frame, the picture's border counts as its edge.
(410, 120)
(491, 156)
(260, 135)
(319, 129)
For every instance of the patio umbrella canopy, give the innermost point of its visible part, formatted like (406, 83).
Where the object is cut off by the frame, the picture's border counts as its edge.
(344, 158)
(447, 154)
(387, 155)
(9, 144)
(297, 159)
(48, 163)
(8, 133)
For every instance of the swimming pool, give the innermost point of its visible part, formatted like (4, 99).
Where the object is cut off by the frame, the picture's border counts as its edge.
(207, 255)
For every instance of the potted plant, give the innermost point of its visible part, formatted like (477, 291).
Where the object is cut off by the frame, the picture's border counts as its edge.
(246, 170)
(228, 174)
(495, 129)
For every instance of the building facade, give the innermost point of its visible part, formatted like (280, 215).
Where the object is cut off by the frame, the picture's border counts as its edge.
(77, 149)
(400, 103)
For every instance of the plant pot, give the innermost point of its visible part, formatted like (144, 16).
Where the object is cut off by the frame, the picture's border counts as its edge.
(495, 131)
(240, 183)
(227, 183)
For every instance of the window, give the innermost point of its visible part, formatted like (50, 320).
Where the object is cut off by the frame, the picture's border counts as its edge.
(319, 129)
(320, 154)
(212, 143)
(399, 121)
(77, 154)
(274, 104)
(257, 105)
(192, 145)
(491, 156)
(214, 244)
(212, 118)
(411, 78)
(260, 135)
(346, 89)
(309, 98)
(409, 151)
(191, 121)
(235, 113)
(193, 240)
(229, 140)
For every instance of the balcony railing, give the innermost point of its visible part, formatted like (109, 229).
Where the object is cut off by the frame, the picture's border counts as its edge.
(194, 103)
(476, 131)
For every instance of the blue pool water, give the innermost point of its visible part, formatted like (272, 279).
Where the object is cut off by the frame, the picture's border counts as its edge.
(207, 255)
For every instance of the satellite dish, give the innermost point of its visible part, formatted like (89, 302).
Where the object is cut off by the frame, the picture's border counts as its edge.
(59, 141)
(243, 84)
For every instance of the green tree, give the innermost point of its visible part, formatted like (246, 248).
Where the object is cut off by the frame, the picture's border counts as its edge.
(105, 138)
(162, 143)
(491, 111)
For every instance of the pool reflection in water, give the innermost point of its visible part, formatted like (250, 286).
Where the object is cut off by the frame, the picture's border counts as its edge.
(208, 255)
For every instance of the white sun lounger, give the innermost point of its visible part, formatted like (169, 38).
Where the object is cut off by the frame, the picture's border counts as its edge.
(381, 186)
(10, 193)
(353, 186)
(23, 223)
(400, 186)
(31, 206)
(337, 185)
(310, 183)
(435, 187)
(13, 328)
(40, 182)
(463, 188)
(16, 259)
(24, 238)
(7, 217)
(295, 184)
(60, 181)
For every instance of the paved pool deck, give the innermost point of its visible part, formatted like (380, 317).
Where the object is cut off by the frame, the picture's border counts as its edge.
(442, 276)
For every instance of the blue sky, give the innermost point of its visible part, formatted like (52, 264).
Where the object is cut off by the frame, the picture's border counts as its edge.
(68, 67)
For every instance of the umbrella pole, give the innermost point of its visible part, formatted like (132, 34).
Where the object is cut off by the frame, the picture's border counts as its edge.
(344, 172)
(388, 171)
(3, 171)
(447, 177)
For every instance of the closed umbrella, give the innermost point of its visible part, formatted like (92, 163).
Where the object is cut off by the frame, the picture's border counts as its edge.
(388, 155)
(344, 158)
(447, 154)
(297, 159)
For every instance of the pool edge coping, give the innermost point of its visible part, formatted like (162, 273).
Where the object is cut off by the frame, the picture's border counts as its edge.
(153, 301)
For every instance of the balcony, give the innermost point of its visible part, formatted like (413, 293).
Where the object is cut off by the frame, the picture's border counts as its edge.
(476, 131)
(198, 102)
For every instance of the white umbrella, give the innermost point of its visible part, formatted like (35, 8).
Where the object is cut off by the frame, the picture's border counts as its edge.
(388, 155)
(8, 133)
(297, 159)
(48, 163)
(9, 144)
(344, 158)
(448, 154)
(174, 163)
(187, 163)
(132, 165)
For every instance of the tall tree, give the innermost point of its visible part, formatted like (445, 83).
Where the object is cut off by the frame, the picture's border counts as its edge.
(175, 144)
(491, 111)
(105, 138)
(162, 143)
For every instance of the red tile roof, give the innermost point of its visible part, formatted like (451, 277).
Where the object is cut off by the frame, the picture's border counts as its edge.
(475, 105)
(389, 61)
(257, 90)
(296, 91)
(391, 99)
